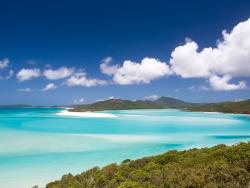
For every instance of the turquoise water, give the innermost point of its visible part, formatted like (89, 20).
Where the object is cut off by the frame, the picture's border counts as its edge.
(38, 146)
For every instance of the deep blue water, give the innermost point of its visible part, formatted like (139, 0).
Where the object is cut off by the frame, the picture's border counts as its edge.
(38, 146)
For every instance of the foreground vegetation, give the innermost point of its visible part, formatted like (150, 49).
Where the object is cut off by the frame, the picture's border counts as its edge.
(219, 166)
(241, 107)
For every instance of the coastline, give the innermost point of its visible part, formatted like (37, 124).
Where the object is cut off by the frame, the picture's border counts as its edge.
(66, 112)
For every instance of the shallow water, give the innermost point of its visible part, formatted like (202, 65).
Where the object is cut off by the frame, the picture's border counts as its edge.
(38, 146)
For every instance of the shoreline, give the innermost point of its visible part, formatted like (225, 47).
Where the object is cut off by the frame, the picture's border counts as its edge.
(85, 114)
(184, 110)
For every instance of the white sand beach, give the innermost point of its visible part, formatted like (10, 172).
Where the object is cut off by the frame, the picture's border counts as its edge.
(86, 114)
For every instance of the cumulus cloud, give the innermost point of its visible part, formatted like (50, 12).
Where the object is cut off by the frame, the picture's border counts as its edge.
(27, 74)
(136, 73)
(79, 101)
(49, 86)
(25, 89)
(151, 97)
(230, 58)
(4, 63)
(107, 68)
(80, 79)
(222, 83)
(188, 63)
(60, 73)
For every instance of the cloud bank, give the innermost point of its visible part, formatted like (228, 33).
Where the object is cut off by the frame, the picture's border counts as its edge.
(229, 59)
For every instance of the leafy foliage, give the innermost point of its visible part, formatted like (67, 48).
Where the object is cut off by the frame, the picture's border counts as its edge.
(217, 167)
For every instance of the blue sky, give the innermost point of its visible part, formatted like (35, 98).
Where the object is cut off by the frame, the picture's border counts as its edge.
(51, 52)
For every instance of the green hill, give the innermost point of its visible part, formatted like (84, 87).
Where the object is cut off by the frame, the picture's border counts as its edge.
(117, 104)
(241, 107)
(219, 166)
(169, 102)
(120, 104)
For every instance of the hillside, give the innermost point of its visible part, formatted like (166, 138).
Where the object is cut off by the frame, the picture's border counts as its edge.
(169, 102)
(120, 104)
(219, 166)
(241, 107)
(117, 104)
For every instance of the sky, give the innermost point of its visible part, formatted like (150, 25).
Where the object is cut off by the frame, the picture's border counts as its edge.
(72, 52)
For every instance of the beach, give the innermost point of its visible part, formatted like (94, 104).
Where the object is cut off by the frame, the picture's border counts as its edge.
(86, 114)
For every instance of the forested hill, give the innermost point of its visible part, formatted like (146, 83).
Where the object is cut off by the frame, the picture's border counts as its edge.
(219, 166)
(241, 107)
(117, 104)
(120, 104)
(169, 102)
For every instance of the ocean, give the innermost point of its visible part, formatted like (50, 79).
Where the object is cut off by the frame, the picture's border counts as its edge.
(38, 146)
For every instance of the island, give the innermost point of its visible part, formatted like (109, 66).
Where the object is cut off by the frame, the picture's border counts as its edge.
(240, 107)
(121, 104)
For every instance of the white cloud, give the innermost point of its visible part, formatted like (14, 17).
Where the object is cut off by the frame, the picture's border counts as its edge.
(198, 88)
(27, 74)
(49, 86)
(188, 63)
(80, 79)
(109, 98)
(151, 97)
(79, 101)
(230, 58)
(108, 69)
(25, 89)
(4, 63)
(60, 73)
(136, 73)
(10, 74)
(222, 83)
